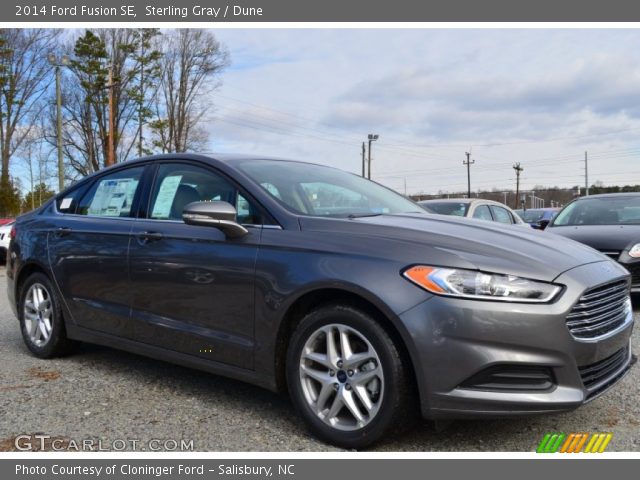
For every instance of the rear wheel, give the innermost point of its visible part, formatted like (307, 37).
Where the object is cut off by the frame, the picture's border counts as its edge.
(347, 377)
(41, 319)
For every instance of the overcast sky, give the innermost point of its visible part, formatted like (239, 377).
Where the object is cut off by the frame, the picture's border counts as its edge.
(539, 97)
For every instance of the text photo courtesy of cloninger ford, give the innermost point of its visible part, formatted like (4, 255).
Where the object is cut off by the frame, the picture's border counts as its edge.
(319, 239)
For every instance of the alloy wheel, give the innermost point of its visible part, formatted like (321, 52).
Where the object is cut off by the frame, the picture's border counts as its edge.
(38, 314)
(341, 377)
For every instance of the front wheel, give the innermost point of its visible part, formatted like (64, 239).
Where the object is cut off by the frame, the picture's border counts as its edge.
(347, 377)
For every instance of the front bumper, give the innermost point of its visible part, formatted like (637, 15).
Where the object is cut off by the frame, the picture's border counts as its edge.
(455, 339)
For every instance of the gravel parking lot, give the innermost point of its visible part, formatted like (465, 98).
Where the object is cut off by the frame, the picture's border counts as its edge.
(108, 395)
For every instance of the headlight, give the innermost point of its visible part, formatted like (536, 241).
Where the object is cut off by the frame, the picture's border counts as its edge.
(635, 251)
(480, 285)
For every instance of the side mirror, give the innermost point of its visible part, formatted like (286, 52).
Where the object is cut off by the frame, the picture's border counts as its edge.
(221, 215)
(542, 224)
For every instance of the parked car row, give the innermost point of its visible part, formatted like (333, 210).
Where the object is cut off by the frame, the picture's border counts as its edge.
(538, 218)
(302, 278)
(473, 208)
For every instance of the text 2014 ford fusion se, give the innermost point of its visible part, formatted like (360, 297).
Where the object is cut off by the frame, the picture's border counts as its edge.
(305, 278)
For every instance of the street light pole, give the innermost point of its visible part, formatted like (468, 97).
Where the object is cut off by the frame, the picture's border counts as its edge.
(372, 138)
(57, 63)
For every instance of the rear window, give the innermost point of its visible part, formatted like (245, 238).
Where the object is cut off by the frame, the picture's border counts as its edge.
(112, 195)
(458, 209)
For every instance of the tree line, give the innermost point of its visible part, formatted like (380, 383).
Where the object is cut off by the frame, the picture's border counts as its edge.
(157, 79)
(551, 195)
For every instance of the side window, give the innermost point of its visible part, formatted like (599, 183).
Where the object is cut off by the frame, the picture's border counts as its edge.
(501, 215)
(482, 212)
(69, 202)
(178, 185)
(112, 195)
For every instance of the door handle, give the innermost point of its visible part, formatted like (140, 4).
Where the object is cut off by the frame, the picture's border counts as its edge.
(62, 232)
(148, 237)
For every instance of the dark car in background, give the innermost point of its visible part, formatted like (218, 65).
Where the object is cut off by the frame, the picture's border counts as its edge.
(311, 280)
(538, 218)
(477, 208)
(609, 223)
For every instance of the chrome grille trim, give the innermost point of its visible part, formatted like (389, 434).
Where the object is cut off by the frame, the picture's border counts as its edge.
(599, 311)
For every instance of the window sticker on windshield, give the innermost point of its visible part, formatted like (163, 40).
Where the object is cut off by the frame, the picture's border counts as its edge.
(66, 203)
(113, 197)
(166, 194)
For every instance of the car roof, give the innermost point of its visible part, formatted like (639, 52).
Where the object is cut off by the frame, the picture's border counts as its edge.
(611, 195)
(543, 209)
(461, 200)
(210, 157)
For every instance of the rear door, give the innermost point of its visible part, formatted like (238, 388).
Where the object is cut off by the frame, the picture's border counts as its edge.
(88, 250)
(194, 288)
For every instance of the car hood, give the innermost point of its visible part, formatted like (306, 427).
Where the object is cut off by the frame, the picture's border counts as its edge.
(464, 243)
(601, 237)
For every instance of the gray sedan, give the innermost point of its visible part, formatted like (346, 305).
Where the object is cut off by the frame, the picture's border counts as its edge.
(311, 280)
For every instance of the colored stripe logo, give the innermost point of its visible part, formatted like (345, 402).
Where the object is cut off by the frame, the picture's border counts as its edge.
(574, 442)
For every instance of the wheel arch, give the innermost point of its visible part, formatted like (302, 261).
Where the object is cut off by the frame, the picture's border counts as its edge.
(25, 272)
(314, 299)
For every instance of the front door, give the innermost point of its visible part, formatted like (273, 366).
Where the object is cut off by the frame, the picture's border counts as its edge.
(193, 289)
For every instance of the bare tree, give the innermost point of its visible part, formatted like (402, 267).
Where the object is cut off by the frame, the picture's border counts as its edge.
(191, 63)
(36, 154)
(24, 78)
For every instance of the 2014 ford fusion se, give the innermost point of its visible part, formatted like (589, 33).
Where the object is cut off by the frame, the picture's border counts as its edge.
(305, 278)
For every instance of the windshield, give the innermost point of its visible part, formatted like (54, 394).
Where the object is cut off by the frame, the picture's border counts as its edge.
(323, 191)
(624, 210)
(531, 216)
(448, 208)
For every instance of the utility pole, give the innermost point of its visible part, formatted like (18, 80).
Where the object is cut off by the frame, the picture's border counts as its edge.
(518, 169)
(57, 63)
(468, 163)
(586, 175)
(140, 106)
(111, 160)
(372, 138)
(363, 160)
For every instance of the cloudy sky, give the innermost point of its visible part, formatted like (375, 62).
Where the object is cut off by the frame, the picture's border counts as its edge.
(536, 96)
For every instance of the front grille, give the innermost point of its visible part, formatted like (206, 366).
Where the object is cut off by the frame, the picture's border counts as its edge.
(599, 376)
(613, 254)
(599, 310)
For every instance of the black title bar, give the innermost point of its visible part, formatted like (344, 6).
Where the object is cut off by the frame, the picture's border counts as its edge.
(56, 11)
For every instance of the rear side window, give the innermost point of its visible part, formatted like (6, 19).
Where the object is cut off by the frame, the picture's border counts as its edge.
(112, 195)
(69, 202)
(482, 212)
(501, 215)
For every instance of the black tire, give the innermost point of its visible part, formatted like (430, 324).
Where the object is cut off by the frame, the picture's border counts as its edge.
(397, 405)
(57, 344)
